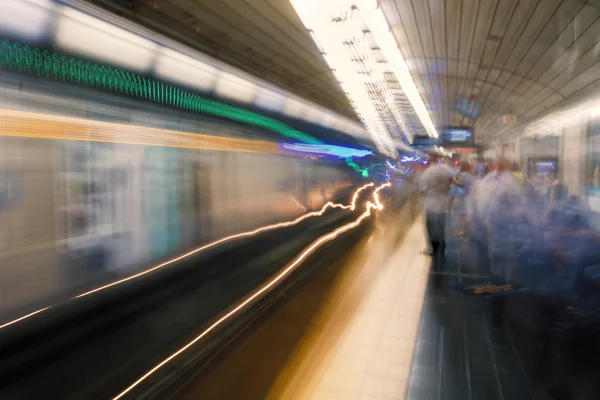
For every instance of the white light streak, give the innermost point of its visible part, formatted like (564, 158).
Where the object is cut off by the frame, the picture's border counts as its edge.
(351, 206)
(266, 287)
(24, 317)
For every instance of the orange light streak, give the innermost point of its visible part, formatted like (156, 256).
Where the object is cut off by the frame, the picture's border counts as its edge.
(351, 206)
(286, 271)
(376, 195)
(300, 205)
(24, 317)
(355, 197)
(45, 126)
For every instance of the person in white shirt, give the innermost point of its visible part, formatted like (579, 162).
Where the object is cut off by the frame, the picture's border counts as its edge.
(459, 191)
(435, 184)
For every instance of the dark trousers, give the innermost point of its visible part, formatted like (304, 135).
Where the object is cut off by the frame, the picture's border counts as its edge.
(436, 226)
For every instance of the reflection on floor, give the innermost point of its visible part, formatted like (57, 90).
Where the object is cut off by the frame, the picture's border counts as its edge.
(393, 329)
(374, 323)
(458, 353)
(361, 343)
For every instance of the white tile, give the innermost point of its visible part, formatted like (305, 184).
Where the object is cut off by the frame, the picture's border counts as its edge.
(374, 386)
(372, 321)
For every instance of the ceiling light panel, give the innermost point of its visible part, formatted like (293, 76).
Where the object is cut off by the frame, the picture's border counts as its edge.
(377, 23)
(338, 31)
(363, 55)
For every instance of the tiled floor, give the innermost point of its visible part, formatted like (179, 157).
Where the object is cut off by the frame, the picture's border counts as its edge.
(360, 346)
(376, 324)
(459, 354)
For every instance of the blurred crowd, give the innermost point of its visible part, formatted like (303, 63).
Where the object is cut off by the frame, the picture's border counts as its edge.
(526, 232)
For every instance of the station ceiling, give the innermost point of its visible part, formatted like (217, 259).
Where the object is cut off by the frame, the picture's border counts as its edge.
(492, 64)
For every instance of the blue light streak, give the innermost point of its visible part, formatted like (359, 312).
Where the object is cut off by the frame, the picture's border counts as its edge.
(325, 149)
(409, 159)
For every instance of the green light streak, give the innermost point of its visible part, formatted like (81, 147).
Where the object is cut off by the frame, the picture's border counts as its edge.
(357, 168)
(34, 61)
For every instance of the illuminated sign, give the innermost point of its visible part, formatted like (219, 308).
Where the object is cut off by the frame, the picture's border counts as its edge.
(455, 135)
(425, 141)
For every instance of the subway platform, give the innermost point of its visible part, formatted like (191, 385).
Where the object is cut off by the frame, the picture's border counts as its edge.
(375, 324)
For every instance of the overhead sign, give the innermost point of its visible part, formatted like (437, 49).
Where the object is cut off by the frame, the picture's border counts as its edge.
(458, 135)
(425, 141)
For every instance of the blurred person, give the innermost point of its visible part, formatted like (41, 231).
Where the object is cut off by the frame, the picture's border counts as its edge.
(572, 249)
(480, 169)
(500, 179)
(547, 182)
(489, 166)
(558, 223)
(501, 207)
(564, 286)
(496, 202)
(558, 195)
(435, 184)
(537, 181)
(555, 199)
(447, 162)
(461, 186)
(578, 205)
(517, 173)
(554, 178)
(534, 200)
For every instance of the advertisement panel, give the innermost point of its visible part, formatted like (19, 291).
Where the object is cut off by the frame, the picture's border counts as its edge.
(96, 204)
(160, 199)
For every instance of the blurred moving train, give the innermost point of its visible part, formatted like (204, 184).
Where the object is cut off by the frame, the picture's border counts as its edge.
(95, 185)
(73, 28)
(83, 198)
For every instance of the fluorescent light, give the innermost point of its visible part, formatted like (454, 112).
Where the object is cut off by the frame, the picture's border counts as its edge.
(233, 87)
(313, 115)
(27, 19)
(268, 99)
(294, 108)
(331, 38)
(83, 34)
(378, 25)
(185, 70)
(330, 120)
